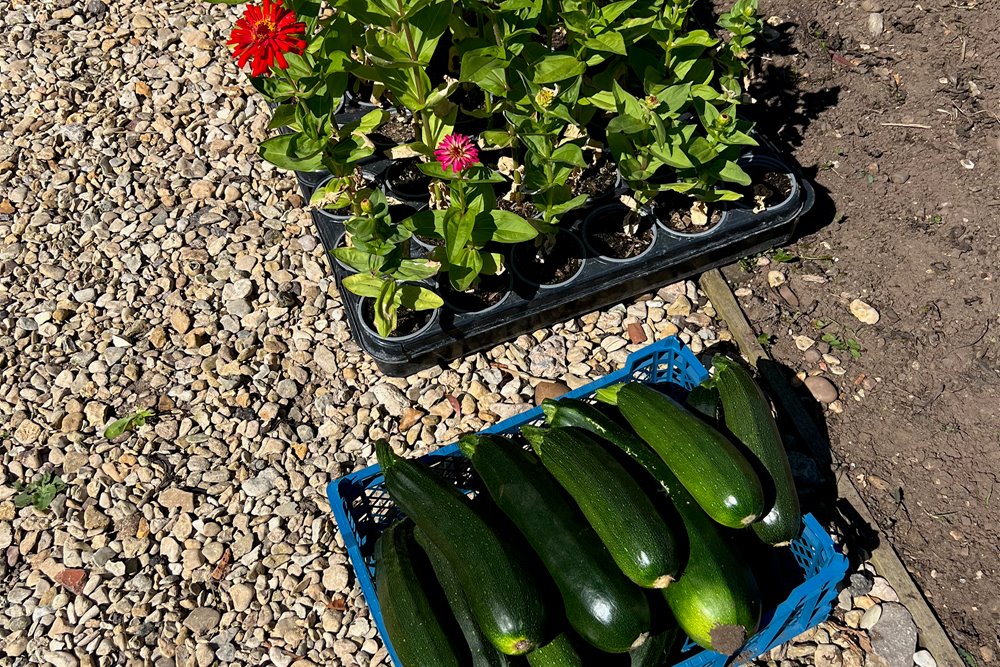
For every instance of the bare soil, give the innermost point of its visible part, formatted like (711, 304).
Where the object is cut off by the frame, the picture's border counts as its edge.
(489, 292)
(900, 131)
(597, 180)
(675, 212)
(550, 267)
(610, 238)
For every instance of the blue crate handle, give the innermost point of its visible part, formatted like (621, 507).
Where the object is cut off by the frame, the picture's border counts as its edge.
(362, 511)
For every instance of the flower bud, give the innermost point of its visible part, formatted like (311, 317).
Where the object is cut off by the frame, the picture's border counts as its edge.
(366, 206)
(545, 97)
(652, 101)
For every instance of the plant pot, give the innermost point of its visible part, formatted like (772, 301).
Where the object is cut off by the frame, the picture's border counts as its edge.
(341, 243)
(526, 262)
(339, 215)
(383, 141)
(586, 183)
(775, 176)
(407, 183)
(466, 302)
(362, 309)
(600, 235)
(717, 221)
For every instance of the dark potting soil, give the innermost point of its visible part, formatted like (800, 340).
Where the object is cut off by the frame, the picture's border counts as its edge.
(407, 321)
(675, 212)
(524, 208)
(769, 188)
(597, 179)
(429, 240)
(489, 292)
(397, 130)
(610, 238)
(552, 267)
(409, 180)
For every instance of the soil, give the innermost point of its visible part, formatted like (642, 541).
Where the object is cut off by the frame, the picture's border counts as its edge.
(489, 292)
(597, 180)
(407, 179)
(900, 131)
(768, 189)
(675, 212)
(396, 131)
(549, 268)
(609, 237)
(524, 208)
(407, 321)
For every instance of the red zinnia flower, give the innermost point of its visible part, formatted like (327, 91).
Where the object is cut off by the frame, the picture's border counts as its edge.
(264, 35)
(456, 152)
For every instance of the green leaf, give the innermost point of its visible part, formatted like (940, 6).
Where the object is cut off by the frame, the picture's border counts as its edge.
(570, 154)
(416, 269)
(498, 138)
(492, 263)
(486, 67)
(733, 173)
(696, 38)
(363, 284)
(283, 115)
(701, 150)
(555, 68)
(371, 120)
(357, 259)
(502, 227)
(428, 223)
(458, 226)
(386, 308)
(415, 297)
(465, 269)
(280, 151)
(119, 426)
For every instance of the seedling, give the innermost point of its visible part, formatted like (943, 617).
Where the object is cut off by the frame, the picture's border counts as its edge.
(849, 345)
(39, 493)
(129, 423)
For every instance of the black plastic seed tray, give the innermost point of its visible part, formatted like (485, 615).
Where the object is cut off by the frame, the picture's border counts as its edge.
(601, 281)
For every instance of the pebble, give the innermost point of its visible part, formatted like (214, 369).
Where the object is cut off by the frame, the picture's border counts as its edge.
(864, 312)
(822, 389)
(681, 307)
(202, 619)
(544, 390)
(242, 596)
(775, 279)
(803, 343)
(876, 24)
(894, 635)
(923, 658)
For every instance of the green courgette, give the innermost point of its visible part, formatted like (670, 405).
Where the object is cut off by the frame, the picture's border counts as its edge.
(715, 599)
(483, 653)
(747, 414)
(411, 620)
(708, 465)
(557, 653)
(502, 593)
(601, 604)
(620, 513)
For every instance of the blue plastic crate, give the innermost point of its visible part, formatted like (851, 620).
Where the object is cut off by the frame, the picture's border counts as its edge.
(363, 510)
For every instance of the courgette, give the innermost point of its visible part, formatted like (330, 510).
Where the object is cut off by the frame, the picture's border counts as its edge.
(620, 513)
(413, 624)
(747, 414)
(708, 465)
(502, 594)
(483, 653)
(715, 599)
(557, 653)
(601, 604)
(654, 650)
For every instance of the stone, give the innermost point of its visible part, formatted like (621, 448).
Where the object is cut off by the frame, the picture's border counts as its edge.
(822, 389)
(548, 358)
(335, 578)
(73, 579)
(923, 658)
(860, 583)
(287, 389)
(883, 591)
(242, 596)
(804, 342)
(775, 279)
(894, 635)
(257, 486)
(871, 617)
(876, 24)
(544, 390)
(828, 655)
(180, 321)
(864, 312)
(202, 620)
(681, 307)
(391, 398)
(177, 498)
(202, 189)
(94, 519)
(28, 433)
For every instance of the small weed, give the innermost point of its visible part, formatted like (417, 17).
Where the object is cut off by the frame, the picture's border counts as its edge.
(39, 493)
(766, 340)
(936, 220)
(130, 423)
(848, 345)
(967, 658)
(783, 256)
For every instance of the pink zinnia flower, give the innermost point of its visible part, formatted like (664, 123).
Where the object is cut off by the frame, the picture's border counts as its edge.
(457, 152)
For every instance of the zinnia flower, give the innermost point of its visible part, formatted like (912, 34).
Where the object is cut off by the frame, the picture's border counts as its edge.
(264, 35)
(457, 152)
